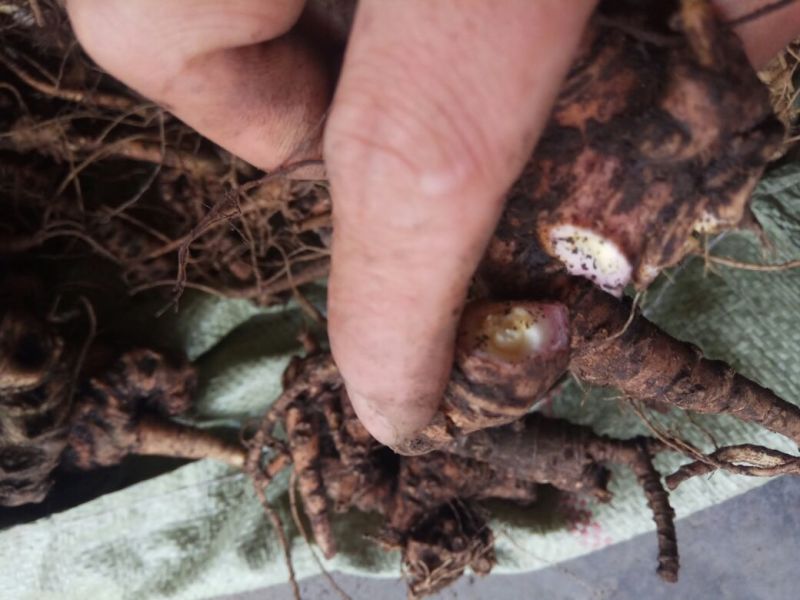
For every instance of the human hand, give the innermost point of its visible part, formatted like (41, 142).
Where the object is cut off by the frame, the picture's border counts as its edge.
(435, 113)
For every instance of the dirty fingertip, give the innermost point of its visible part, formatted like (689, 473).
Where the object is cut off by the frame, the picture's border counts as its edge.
(390, 421)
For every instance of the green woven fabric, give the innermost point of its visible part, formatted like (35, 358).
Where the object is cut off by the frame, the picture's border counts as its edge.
(198, 531)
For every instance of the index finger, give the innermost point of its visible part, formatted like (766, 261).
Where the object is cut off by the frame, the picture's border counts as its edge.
(232, 69)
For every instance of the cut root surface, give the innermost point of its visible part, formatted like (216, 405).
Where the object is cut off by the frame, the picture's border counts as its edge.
(586, 253)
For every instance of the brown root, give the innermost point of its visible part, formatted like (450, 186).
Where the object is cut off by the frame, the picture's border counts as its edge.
(159, 437)
(425, 482)
(545, 451)
(118, 415)
(28, 352)
(319, 374)
(571, 458)
(302, 430)
(659, 135)
(648, 365)
(508, 462)
(663, 513)
(745, 459)
(25, 470)
(120, 411)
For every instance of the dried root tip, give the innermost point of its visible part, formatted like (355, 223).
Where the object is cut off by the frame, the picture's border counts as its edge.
(587, 253)
(159, 437)
(110, 418)
(746, 459)
(663, 514)
(303, 433)
(146, 379)
(98, 443)
(512, 332)
(508, 354)
(443, 545)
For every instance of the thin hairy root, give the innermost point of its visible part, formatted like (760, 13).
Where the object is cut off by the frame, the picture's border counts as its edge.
(111, 102)
(669, 440)
(52, 140)
(302, 431)
(261, 478)
(759, 12)
(319, 374)
(663, 513)
(221, 212)
(280, 531)
(745, 459)
(314, 271)
(746, 266)
(37, 12)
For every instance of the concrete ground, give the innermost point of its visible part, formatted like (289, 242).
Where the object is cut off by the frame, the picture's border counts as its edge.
(744, 549)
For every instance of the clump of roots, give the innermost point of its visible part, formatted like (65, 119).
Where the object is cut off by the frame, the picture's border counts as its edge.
(79, 406)
(443, 544)
(782, 77)
(88, 168)
(427, 501)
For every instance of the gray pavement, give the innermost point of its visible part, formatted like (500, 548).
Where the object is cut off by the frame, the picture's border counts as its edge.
(747, 548)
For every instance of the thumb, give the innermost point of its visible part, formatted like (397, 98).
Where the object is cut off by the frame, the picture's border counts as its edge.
(438, 107)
